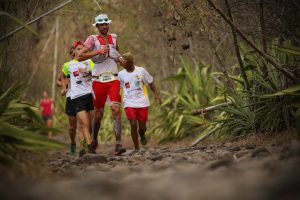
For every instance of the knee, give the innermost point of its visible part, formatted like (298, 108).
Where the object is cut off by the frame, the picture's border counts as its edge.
(84, 124)
(72, 129)
(98, 115)
(133, 123)
(116, 110)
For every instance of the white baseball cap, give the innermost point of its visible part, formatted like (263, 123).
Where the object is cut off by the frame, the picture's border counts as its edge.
(102, 19)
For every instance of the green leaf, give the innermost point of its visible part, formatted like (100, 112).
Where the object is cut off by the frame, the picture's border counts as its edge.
(292, 90)
(29, 137)
(290, 50)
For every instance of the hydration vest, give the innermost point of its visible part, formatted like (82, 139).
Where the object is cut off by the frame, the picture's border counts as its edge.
(112, 43)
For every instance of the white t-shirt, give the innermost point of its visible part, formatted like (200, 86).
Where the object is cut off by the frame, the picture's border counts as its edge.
(80, 83)
(134, 87)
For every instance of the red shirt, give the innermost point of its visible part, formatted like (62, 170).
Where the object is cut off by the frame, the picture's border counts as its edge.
(46, 105)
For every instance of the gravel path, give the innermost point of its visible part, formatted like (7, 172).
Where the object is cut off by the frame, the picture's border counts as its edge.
(227, 171)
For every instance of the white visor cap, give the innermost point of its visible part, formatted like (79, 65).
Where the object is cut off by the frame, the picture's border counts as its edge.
(102, 19)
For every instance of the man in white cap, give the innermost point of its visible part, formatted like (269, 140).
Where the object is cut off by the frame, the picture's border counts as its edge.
(103, 50)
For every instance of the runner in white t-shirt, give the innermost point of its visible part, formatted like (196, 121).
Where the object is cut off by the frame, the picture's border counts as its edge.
(134, 81)
(80, 93)
(69, 109)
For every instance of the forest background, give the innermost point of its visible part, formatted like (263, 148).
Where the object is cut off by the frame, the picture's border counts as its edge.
(238, 58)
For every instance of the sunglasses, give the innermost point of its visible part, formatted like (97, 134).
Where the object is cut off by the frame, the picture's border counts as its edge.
(103, 20)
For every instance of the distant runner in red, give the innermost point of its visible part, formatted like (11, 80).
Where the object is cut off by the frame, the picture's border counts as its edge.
(47, 105)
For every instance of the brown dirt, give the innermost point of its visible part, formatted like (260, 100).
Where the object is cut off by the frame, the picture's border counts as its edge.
(256, 167)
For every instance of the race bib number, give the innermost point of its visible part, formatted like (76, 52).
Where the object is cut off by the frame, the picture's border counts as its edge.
(106, 77)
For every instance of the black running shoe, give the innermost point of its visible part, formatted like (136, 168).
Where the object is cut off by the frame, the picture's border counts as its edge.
(73, 149)
(119, 150)
(93, 147)
(82, 152)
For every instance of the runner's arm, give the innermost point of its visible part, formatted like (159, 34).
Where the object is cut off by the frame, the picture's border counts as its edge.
(58, 80)
(64, 84)
(155, 92)
(87, 54)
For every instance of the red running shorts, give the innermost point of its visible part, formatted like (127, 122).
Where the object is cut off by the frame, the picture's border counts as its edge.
(102, 91)
(140, 114)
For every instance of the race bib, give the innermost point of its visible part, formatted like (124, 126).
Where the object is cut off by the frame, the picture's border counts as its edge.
(106, 77)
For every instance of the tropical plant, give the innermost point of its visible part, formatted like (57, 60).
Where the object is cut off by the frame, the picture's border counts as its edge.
(270, 106)
(19, 121)
(191, 89)
(19, 124)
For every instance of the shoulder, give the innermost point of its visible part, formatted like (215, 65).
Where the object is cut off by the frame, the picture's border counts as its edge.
(66, 64)
(113, 35)
(121, 73)
(141, 69)
(91, 37)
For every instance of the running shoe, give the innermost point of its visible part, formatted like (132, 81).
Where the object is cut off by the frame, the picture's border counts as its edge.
(119, 150)
(93, 147)
(82, 152)
(143, 139)
(73, 149)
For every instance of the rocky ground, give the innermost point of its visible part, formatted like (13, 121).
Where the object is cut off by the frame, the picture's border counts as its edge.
(211, 171)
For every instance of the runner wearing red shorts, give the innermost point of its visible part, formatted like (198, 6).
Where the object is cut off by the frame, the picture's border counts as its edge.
(103, 50)
(136, 102)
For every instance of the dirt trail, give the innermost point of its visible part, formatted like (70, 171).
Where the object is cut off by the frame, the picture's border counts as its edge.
(224, 171)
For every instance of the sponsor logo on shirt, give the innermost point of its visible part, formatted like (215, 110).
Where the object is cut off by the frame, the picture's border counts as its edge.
(127, 85)
(76, 73)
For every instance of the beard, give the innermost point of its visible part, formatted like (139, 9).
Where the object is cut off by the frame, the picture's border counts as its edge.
(104, 31)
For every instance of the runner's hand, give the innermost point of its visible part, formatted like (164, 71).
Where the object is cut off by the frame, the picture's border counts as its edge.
(122, 60)
(63, 92)
(158, 100)
(103, 50)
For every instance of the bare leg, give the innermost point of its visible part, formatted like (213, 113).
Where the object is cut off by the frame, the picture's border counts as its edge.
(116, 112)
(72, 128)
(84, 123)
(134, 134)
(142, 128)
(98, 115)
(142, 131)
(49, 124)
(91, 119)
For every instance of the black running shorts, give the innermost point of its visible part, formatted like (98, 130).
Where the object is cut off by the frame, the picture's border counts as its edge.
(70, 108)
(84, 102)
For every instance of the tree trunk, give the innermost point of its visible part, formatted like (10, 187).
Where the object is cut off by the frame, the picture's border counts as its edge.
(55, 57)
(222, 67)
(263, 36)
(237, 50)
